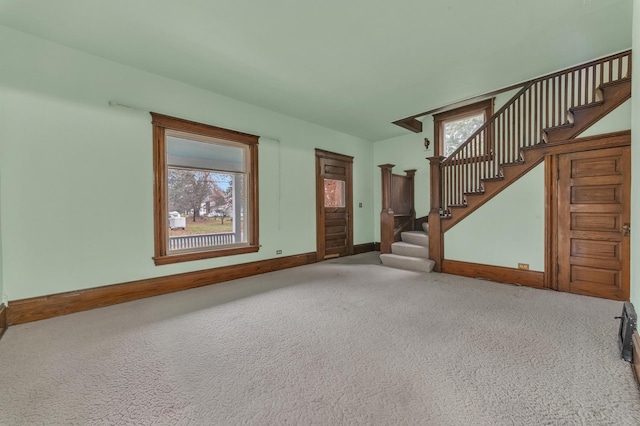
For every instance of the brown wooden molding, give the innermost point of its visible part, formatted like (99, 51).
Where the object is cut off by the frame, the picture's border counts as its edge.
(376, 246)
(162, 123)
(168, 122)
(37, 308)
(3, 319)
(363, 248)
(494, 273)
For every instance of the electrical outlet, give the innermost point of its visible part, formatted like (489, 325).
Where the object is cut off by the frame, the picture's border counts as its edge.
(278, 251)
(523, 266)
(360, 205)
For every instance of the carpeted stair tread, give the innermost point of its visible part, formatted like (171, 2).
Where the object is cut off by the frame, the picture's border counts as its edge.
(412, 250)
(418, 238)
(406, 262)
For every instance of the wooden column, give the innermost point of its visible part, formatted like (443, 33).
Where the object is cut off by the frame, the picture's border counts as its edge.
(411, 176)
(386, 215)
(436, 237)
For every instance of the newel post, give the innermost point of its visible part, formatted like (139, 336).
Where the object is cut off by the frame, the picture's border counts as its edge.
(411, 176)
(436, 237)
(386, 214)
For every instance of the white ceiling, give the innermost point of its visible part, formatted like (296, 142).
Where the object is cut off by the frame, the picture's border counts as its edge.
(350, 65)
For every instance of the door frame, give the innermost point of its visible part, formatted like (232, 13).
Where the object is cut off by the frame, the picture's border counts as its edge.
(320, 217)
(551, 164)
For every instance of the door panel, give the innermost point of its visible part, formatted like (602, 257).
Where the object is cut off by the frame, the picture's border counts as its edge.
(593, 206)
(334, 205)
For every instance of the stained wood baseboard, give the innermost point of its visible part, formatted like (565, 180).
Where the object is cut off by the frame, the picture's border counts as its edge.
(43, 307)
(3, 319)
(494, 273)
(635, 337)
(364, 248)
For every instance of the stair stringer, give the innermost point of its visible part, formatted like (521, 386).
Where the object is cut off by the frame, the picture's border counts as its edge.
(613, 95)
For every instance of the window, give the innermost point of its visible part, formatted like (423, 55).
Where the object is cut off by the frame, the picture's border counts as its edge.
(205, 191)
(453, 128)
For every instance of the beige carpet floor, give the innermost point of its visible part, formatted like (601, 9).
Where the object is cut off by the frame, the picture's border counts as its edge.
(346, 341)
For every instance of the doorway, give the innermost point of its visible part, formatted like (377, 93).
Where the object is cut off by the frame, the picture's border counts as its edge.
(334, 205)
(591, 217)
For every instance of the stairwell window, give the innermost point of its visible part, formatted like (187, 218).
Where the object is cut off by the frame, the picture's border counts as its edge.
(453, 128)
(205, 191)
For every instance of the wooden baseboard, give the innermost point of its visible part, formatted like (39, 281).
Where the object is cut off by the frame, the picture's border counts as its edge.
(376, 246)
(636, 355)
(3, 319)
(494, 273)
(363, 248)
(38, 308)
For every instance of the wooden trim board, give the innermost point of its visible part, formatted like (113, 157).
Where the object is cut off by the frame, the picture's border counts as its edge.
(635, 338)
(43, 307)
(3, 319)
(364, 248)
(499, 274)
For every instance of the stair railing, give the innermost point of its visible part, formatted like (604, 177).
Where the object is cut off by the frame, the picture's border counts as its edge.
(398, 206)
(541, 104)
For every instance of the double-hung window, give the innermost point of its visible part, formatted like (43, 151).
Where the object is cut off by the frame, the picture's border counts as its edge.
(206, 191)
(453, 128)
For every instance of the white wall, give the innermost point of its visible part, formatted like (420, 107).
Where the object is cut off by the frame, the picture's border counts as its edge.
(635, 159)
(76, 201)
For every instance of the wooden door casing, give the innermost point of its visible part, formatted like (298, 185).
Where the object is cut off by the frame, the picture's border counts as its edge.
(334, 224)
(593, 208)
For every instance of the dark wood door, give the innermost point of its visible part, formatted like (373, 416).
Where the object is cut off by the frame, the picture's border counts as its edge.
(334, 205)
(593, 222)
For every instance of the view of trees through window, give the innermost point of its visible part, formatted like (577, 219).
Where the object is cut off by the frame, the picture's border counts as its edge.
(204, 197)
(456, 132)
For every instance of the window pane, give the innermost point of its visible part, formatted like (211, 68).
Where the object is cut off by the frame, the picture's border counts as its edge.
(206, 209)
(334, 193)
(456, 132)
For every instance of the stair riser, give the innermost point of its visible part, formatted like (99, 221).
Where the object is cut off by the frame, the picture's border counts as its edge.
(412, 251)
(408, 263)
(417, 239)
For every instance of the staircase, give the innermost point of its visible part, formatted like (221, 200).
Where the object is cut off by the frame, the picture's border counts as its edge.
(411, 253)
(542, 118)
(546, 111)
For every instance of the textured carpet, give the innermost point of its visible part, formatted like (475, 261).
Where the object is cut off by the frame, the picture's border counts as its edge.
(347, 341)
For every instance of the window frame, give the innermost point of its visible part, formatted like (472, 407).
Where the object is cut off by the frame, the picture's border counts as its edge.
(439, 120)
(161, 123)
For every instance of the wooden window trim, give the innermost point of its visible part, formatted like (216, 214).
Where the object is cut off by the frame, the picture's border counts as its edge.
(440, 119)
(161, 123)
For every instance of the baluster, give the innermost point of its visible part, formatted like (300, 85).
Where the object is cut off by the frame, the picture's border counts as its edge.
(553, 102)
(620, 68)
(508, 121)
(518, 131)
(589, 85)
(474, 161)
(514, 125)
(566, 97)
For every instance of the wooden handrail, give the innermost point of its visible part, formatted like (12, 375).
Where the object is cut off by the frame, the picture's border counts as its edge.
(413, 124)
(542, 103)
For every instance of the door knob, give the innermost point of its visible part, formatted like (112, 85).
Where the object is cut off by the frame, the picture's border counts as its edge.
(626, 229)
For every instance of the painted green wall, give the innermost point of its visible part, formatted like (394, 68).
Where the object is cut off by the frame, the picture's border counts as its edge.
(507, 230)
(635, 159)
(76, 190)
